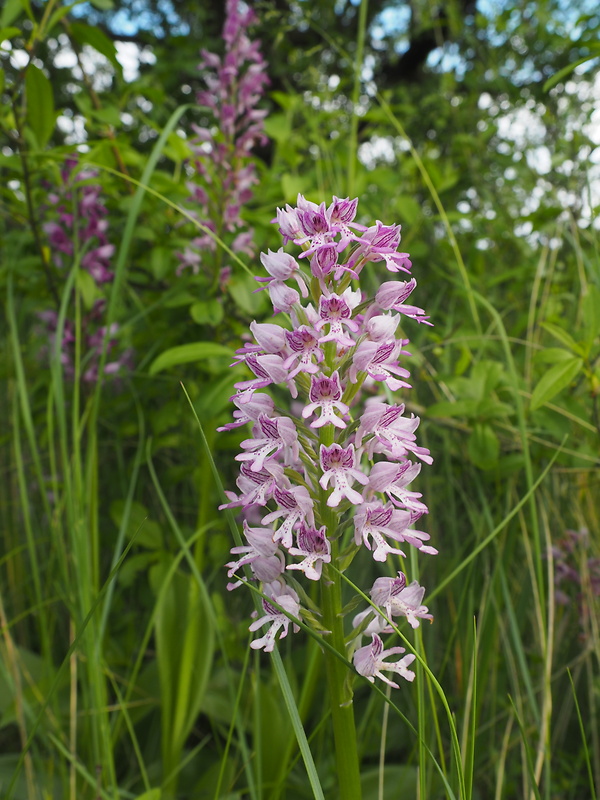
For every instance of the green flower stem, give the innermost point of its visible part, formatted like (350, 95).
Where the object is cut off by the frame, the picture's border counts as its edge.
(342, 710)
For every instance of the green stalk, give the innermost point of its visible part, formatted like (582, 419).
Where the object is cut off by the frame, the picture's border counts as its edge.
(342, 710)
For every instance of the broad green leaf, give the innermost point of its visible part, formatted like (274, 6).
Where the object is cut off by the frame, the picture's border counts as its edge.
(483, 447)
(552, 355)
(485, 376)
(409, 211)
(554, 381)
(87, 287)
(109, 115)
(8, 33)
(86, 34)
(562, 336)
(460, 408)
(207, 312)
(177, 149)
(278, 127)
(60, 13)
(215, 399)
(285, 100)
(40, 105)
(103, 5)
(11, 10)
(291, 186)
(243, 290)
(161, 261)
(153, 794)
(147, 532)
(187, 354)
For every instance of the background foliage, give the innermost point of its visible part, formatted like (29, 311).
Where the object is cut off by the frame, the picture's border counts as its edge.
(124, 668)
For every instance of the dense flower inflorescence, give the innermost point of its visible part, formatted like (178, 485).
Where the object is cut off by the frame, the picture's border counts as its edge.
(327, 462)
(223, 172)
(77, 228)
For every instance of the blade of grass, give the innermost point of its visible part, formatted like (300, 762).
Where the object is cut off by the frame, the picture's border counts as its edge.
(588, 762)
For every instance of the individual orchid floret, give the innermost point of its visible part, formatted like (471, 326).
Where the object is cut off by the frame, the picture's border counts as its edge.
(376, 623)
(269, 337)
(339, 467)
(304, 344)
(391, 296)
(248, 409)
(368, 661)
(283, 297)
(256, 487)
(392, 433)
(325, 394)
(285, 597)
(398, 599)
(336, 311)
(315, 228)
(392, 480)
(289, 224)
(373, 522)
(380, 243)
(268, 369)
(261, 553)
(380, 362)
(381, 327)
(341, 214)
(270, 437)
(324, 261)
(281, 267)
(295, 505)
(315, 549)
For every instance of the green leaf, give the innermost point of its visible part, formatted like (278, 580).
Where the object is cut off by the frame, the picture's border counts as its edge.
(153, 794)
(591, 315)
(207, 312)
(215, 399)
(552, 355)
(8, 33)
(554, 381)
(243, 290)
(278, 127)
(291, 186)
(40, 105)
(103, 5)
(109, 115)
(562, 336)
(483, 447)
(11, 10)
(459, 408)
(147, 532)
(60, 13)
(87, 288)
(562, 73)
(188, 353)
(86, 34)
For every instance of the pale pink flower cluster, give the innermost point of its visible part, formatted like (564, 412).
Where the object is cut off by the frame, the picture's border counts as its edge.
(334, 452)
(223, 171)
